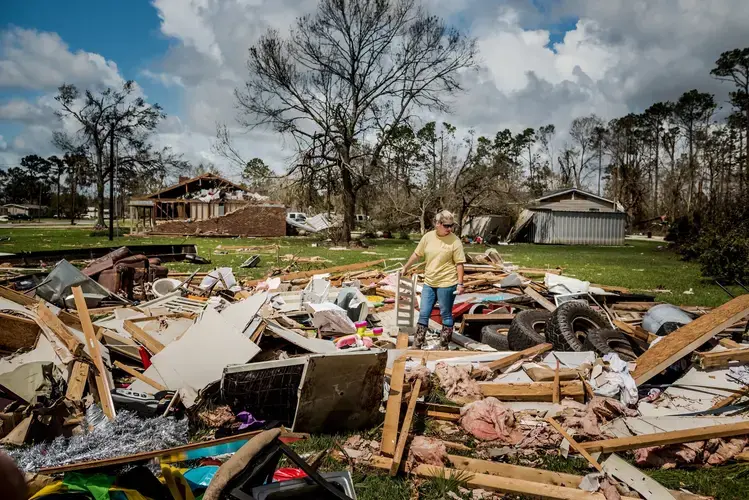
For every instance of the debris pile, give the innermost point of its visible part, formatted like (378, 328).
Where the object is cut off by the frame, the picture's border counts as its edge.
(212, 365)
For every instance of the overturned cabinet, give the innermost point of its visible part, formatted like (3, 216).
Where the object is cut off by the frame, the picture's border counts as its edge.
(314, 393)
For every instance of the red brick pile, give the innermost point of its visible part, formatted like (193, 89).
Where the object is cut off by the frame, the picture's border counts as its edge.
(252, 220)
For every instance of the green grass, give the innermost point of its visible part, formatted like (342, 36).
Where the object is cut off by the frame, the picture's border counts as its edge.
(639, 265)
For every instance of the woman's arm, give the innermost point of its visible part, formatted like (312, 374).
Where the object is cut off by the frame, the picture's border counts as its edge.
(460, 278)
(411, 260)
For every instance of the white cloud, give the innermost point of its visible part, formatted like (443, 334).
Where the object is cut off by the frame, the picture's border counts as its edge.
(31, 59)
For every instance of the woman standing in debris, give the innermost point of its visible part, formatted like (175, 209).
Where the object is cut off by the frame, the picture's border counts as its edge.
(443, 276)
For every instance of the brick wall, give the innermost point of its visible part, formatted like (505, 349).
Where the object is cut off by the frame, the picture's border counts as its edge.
(252, 220)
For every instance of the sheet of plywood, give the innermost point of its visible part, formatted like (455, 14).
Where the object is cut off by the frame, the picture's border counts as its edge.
(317, 346)
(340, 392)
(689, 337)
(240, 314)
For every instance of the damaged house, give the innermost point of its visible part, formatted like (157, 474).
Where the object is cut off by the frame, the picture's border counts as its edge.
(209, 204)
(571, 217)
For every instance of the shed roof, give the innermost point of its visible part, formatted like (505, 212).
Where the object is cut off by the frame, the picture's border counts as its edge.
(179, 189)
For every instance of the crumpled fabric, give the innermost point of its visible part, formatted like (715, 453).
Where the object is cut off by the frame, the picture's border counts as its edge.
(426, 450)
(490, 420)
(618, 381)
(457, 383)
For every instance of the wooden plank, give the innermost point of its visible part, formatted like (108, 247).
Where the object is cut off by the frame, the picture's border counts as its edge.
(488, 318)
(722, 359)
(729, 400)
(102, 387)
(121, 345)
(574, 444)
(135, 373)
(168, 315)
(405, 429)
(510, 360)
(54, 323)
(150, 343)
(546, 374)
(438, 355)
(540, 299)
(515, 471)
(666, 438)
(393, 408)
(18, 298)
(336, 269)
(532, 391)
(557, 395)
(639, 333)
(731, 344)
(77, 381)
(402, 341)
(689, 337)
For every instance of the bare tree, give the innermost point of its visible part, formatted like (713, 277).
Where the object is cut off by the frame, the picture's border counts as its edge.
(583, 132)
(350, 73)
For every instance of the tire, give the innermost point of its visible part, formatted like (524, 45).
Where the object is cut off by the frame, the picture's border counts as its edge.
(607, 340)
(491, 337)
(570, 323)
(527, 329)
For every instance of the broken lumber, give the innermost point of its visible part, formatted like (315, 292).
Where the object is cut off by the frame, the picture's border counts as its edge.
(557, 391)
(546, 374)
(18, 332)
(510, 360)
(689, 337)
(102, 386)
(575, 446)
(336, 269)
(405, 428)
(77, 381)
(54, 323)
(540, 299)
(722, 359)
(731, 344)
(666, 438)
(393, 408)
(515, 471)
(135, 373)
(150, 343)
(532, 391)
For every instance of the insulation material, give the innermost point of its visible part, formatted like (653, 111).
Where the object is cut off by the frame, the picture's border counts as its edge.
(426, 450)
(490, 420)
(457, 383)
(329, 317)
(101, 439)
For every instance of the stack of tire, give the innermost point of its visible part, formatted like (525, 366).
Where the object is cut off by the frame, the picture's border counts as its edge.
(573, 326)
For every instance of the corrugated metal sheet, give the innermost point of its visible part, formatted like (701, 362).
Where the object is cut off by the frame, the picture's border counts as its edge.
(578, 228)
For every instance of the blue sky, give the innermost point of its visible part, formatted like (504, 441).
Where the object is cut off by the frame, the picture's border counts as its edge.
(125, 31)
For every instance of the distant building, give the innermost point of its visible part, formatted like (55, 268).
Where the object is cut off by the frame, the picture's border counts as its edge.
(183, 207)
(25, 209)
(571, 217)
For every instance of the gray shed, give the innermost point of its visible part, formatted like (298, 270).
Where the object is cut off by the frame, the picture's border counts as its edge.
(571, 217)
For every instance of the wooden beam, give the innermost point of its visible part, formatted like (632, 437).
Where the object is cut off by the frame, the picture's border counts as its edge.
(393, 408)
(18, 298)
(336, 269)
(722, 359)
(510, 360)
(731, 344)
(557, 395)
(546, 374)
(150, 343)
(666, 438)
(405, 429)
(77, 381)
(689, 337)
(532, 391)
(574, 444)
(135, 373)
(515, 471)
(102, 386)
(637, 332)
(401, 341)
(54, 323)
(540, 299)
(488, 318)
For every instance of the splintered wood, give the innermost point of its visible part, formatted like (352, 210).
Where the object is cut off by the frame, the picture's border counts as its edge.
(689, 337)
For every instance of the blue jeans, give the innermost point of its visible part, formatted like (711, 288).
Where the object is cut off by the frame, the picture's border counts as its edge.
(446, 298)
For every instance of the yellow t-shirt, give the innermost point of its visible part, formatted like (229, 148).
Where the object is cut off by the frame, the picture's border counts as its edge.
(442, 253)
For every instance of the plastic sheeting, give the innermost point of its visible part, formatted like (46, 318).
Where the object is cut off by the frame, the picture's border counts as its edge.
(125, 435)
(664, 319)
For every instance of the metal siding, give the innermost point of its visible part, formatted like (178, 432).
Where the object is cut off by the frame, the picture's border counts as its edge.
(579, 228)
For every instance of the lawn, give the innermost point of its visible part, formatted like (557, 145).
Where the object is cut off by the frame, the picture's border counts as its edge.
(641, 266)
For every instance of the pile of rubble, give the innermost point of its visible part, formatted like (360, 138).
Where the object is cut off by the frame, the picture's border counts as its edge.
(541, 364)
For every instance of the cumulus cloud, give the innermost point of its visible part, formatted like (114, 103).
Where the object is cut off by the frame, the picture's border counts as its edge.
(35, 60)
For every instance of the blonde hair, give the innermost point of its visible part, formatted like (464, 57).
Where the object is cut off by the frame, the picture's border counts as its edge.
(445, 216)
